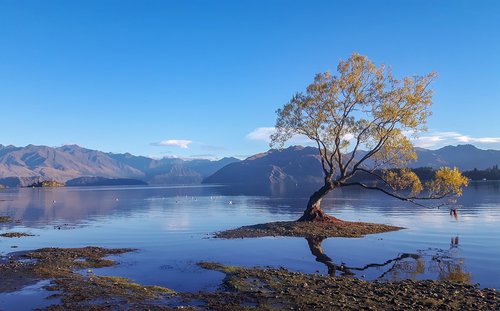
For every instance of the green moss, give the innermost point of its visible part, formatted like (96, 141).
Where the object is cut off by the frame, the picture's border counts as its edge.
(219, 267)
(125, 284)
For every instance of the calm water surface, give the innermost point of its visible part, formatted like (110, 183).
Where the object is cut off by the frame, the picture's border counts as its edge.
(171, 227)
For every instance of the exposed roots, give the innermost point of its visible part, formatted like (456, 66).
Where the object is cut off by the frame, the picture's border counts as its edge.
(317, 215)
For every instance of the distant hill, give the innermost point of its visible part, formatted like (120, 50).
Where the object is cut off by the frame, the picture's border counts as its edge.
(14, 182)
(465, 157)
(298, 166)
(22, 166)
(61, 163)
(291, 166)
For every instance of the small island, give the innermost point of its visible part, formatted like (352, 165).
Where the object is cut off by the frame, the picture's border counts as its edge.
(46, 184)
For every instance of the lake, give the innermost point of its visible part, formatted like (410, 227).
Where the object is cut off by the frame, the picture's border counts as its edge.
(171, 229)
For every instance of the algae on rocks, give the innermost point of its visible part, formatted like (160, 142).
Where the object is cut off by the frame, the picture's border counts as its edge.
(78, 291)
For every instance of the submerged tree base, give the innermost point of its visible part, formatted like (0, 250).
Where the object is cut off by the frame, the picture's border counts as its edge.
(307, 229)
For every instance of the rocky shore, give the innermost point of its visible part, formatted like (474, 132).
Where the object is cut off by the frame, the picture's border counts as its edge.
(76, 286)
(280, 289)
(337, 228)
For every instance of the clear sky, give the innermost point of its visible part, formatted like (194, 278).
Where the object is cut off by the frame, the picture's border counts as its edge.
(204, 78)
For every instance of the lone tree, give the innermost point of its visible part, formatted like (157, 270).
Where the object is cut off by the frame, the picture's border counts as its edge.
(360, 120)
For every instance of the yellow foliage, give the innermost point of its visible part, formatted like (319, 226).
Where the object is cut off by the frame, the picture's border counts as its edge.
(363, 107)
(447, 181)
(404, 179)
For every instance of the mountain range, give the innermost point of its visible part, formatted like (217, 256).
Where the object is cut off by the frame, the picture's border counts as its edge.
(301, 165)
(21, 166)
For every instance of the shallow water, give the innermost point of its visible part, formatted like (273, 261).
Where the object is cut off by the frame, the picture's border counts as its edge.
(171, 226)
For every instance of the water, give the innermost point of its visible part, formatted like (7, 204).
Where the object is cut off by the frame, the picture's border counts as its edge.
(170, 227)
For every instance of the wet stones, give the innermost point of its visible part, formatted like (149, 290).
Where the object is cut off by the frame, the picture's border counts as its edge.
(298, 291)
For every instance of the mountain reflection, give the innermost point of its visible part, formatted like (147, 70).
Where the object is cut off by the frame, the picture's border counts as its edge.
(424, 264)
(74, 205)
(42, 205)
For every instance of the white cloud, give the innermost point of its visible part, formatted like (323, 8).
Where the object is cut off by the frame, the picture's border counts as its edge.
(264, 134)
(182, 143)
(261, 134)
(441, 139)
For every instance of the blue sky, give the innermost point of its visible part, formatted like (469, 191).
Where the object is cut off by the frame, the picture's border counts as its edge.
(204, 78)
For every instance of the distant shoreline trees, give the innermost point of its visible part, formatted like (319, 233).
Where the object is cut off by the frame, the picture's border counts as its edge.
(492, 173)
(427, 173)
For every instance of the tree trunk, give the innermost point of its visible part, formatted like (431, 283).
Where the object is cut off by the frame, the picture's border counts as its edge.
(313, 211)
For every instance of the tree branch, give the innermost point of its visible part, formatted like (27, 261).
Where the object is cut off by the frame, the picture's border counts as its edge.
(411, 199)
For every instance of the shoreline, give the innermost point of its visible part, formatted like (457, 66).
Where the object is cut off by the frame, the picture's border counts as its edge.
(242, 288)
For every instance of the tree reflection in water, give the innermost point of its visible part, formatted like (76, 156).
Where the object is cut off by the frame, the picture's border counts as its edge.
(424, 264)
